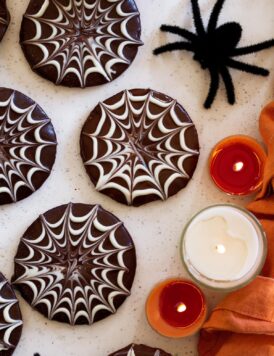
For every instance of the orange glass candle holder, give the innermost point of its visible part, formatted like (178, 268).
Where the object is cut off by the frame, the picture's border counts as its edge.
(176, 308)
(236, 165)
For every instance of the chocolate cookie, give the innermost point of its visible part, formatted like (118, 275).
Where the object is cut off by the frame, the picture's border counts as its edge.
(4, 18)
(80, 43)
(140, 350)
(10, 318)
(139, 146)
(75, 264)
(27, 146)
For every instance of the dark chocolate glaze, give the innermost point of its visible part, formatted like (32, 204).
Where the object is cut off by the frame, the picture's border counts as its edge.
(138, 146)
(4, 18)
(140, 350)
(27, 146)
(87, 46)
(10, 332)
(75, 264)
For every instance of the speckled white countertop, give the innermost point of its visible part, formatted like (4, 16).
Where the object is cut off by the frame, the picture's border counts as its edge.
(156, 227)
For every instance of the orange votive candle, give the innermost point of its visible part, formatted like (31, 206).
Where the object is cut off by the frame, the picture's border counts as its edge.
(176, 308)
(236, 165)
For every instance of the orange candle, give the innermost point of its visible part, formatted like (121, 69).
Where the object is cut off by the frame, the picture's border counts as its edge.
(176, 308)
(236, 165)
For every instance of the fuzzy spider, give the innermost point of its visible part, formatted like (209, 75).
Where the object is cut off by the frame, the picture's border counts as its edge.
(214, 48)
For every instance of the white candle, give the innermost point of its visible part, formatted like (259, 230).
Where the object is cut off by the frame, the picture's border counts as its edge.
(223, 246)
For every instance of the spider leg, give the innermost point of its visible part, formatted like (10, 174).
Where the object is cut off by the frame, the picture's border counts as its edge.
(229, 87)
(197, 17)
(253, 48)
(212, 23)
(245, 67)
(176, 30)
(173, 47)
(214, 86)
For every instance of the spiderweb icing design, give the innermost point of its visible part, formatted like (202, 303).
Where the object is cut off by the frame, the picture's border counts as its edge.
(27, 139)
(10, 318)
(4, 18)
(135, 146)
(131, 352)
(86, 40)
(139, 350)
(75, 264)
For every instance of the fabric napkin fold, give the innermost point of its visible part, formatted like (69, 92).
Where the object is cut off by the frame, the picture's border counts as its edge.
(243, 323)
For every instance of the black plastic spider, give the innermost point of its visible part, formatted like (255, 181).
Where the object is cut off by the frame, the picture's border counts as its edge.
(213, 49)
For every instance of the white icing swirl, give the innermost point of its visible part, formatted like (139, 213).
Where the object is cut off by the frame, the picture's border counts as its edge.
(3, 21)
(131, 351)
(21, 144)
(85, 37)
(8, 325)
(74, 266)
(142, 141)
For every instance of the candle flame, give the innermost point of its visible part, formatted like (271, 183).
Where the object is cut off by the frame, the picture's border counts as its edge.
(238, 166)
(181, 308)
(221, 249)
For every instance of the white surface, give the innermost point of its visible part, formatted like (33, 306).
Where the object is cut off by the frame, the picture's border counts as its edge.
(156, 228)
(222, 243)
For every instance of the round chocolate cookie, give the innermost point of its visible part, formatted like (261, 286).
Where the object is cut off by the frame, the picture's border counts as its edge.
(139, 350)
(75, 264)
(10, 318)
(139, 146)
(4, 18)
(27, 146)
(80, 43)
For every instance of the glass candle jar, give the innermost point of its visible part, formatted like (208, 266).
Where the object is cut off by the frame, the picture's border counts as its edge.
(223, 247)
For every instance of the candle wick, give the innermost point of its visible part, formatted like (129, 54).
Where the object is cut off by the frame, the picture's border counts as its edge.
(221, 249)
(181, 308)
(238, 166)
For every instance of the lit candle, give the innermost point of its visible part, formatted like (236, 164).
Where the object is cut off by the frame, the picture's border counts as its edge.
(236, 165)
(176, 308)
(224, 247)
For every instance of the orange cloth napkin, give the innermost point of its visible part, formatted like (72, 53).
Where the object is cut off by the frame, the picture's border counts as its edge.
(243, 323)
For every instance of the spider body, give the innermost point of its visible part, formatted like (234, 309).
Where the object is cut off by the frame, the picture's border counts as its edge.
(204, 46)
(214, 48)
